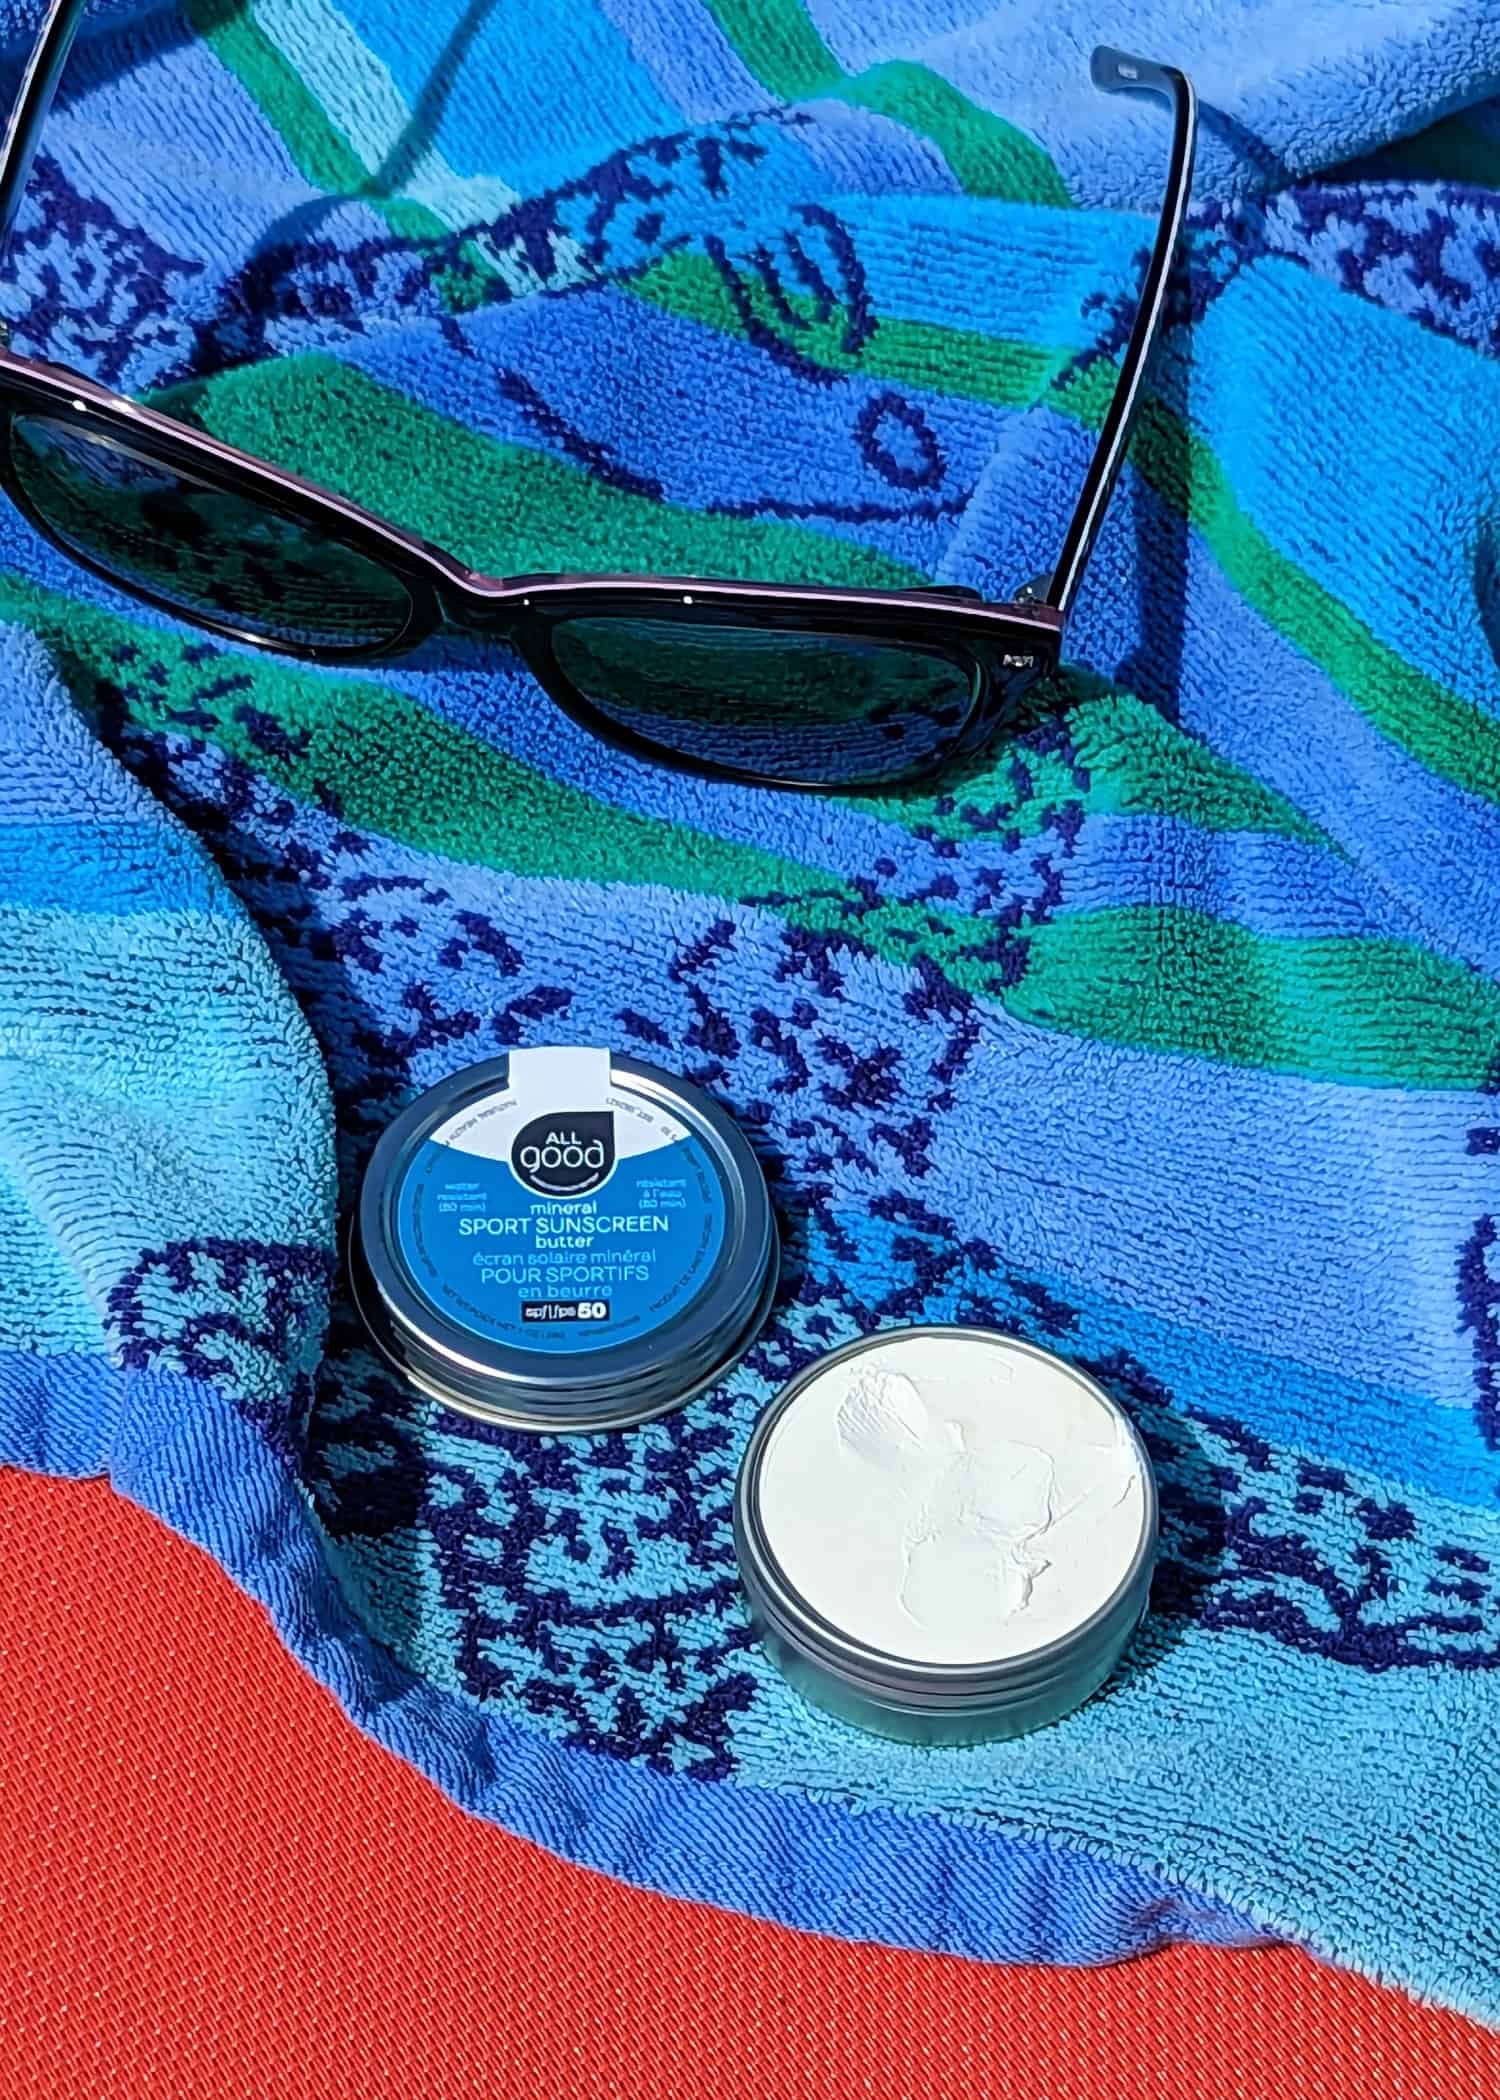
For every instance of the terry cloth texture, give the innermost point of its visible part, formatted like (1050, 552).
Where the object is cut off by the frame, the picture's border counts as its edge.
(1166, 1035)
(213, 1888)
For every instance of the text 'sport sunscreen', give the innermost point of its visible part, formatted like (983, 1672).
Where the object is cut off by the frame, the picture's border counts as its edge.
(563, 1239)
(945, 1535)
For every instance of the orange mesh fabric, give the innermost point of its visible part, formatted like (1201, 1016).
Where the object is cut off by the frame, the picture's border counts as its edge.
(211, 1886)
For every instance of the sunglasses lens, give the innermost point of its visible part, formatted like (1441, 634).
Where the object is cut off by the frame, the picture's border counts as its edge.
(206, 553)
(822, 710)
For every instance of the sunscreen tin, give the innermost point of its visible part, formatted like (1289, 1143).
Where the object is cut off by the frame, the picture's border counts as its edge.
(563, 1239)
(946, 1535)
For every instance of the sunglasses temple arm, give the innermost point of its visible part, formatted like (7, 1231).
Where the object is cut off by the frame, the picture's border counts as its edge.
(1116, 72)
(29, 111)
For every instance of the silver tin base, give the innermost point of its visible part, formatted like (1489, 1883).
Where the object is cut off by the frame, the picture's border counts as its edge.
(946, 1728)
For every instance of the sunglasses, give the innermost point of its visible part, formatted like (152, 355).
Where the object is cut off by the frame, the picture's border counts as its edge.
(808, 688)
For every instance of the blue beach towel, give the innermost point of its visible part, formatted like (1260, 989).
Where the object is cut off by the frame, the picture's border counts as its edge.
(1167, 1035)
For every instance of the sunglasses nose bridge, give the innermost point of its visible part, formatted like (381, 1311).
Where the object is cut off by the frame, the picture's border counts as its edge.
(489, 605)
(473, 605)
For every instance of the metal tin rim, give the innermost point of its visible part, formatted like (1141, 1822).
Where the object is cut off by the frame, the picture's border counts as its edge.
(900, 1679)
(592, 1422)
(613, 1387)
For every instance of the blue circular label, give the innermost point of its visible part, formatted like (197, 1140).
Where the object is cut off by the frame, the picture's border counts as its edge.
(562, 1215)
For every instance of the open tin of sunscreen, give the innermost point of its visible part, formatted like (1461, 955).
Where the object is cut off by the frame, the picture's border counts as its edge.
(945, 1535)
(563, 1239)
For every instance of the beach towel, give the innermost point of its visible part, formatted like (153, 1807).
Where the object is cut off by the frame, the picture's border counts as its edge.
(1166, 1033)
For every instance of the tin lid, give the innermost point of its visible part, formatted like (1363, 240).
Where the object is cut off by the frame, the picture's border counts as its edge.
(923, 1465)
(563, 1239)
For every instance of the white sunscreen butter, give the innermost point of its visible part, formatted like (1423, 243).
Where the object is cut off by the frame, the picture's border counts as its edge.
(949, 1501)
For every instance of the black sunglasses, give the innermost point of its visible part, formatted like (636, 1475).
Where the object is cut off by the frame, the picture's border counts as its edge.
(789, 687)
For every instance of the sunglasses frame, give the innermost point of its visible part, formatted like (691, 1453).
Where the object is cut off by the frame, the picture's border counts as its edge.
(1006, 646)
